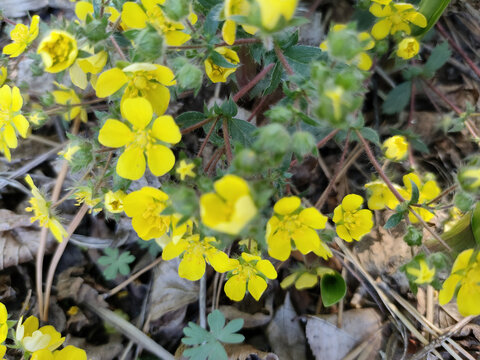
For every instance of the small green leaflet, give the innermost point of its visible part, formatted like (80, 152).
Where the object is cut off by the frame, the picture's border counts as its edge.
(207, 344)
(398, 98)
(393, 220)
(439, 56)
(116, 263)
(221, 61)
(333, 288)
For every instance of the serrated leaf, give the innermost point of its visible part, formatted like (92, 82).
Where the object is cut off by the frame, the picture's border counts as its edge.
(211, 21)
(333, 288)
(371, 135)
(397, 98)
(438, 57)
(393, 220)
(241, 131)
(189, 118)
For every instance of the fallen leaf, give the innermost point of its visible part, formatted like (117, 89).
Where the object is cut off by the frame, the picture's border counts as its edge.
(285, 334)
(327, 341)
(250, 320)
(247, 352)
(170, 292)
(107, 351)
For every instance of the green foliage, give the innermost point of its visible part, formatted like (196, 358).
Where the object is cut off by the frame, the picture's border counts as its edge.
(115, 263)
(476, 223)
(394, 220)
(397, 98)
(208, 344)
(413, 237)
(439, 56)
(333, 288)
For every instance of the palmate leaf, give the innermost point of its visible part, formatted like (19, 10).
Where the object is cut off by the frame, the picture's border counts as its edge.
(115, 263)
(208, 344)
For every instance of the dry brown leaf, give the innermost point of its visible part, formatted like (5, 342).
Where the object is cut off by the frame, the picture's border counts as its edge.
(170, 292)
(106, 351)
(327, 341)
(18, 239)
(245, 352)
(250, 320)
(285, 334)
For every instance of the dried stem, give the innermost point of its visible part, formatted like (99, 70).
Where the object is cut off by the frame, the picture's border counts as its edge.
(202, 302)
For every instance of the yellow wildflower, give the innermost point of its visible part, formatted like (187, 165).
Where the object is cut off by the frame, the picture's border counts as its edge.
(145, 207)
(271, 11)
(22, 36)
(408, 48)
(32, 339)
(195, 252)
(83, 9)
(235, 8)
(395, 148)
(335, 95)
(230, 207)
(394, 17)
(37, 117)
(141, 140)
(143, 80)
(465, 277)
(58, 50)
(185, 169)
(70, 352)
(3, 75)
(363, 61)
(69, 152)
(73, 310)
(43, 212)
(424, 274)
(290, 222)
(11, 121)
(114, 201)
(380, 196)
(352, 222)
(3, 350)
(428, 191)
(3, 323)
(218, 73)
(89, 65)
(84, 195)
(66, 96)
(250, 270)
(137, 18)
(175, 232)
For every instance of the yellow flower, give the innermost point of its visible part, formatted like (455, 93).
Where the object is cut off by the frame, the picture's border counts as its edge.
(143, 80)
(143, 139)
(145, 206)
(114, 201)
(465, 277)
(175, 232)
(66, 96)
(395, 148)
(22, 36)
(58, 50)
(363, 61)
(291, 223)
(32, 339)
(271, 11)
(43, 212)
(352, 222)
(195, 252)
(83, 9)
(3, 323)
(235, 8)
(84, 195)
(3, 350)
(89, 65)
(11, 121)
(250, 270)
(408, 48)
(69, 352)
(394, 17)
(428, 191)
(302, 280)
(335, 95)
(185, 169)
(217, 73)
(137, 18)
(230, 207)
(424, 274)
(69, 152)
(37, 117)
(3, 75)
(381, 197)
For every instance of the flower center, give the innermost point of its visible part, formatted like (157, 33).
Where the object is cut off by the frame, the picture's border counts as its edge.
(58, 49)
(352, 220)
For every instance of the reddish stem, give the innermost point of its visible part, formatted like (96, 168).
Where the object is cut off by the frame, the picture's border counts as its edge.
(236, 43)
(243, 91)
(226, 137)
(283, 60)
(196, 126)
(205, 141)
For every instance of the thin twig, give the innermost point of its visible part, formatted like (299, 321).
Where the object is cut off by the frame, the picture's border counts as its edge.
(202, 302)
(243, 91)
(118, 48)
(283, 60)
(228, 146)
(196, 126)
(205, 141)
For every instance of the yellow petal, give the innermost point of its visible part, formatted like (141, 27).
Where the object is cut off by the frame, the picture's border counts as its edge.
(133, 16)
(159, 98)
(3, 313)
(131, 164)
(352, 202)
(229, 29)
(220, 261)
(165, 129)
(267, 269)
(289, 280)
(173, 250)
(287, 205)
(381, 29)
(343, 233)
(78, 77)
(279, 246)
(17, 100)
(467, 299)
(236, 287)
(70, 352)
(313, 218)
(306, 281)
(10, 136)
(82, 9)
(110, 81)
(160, 159)
(256, 286)
(115, 134)
(43, 354)
(21, 124)
(306, 239)
(231, 187)
(176, 38)
(137, 111)
(192, 267)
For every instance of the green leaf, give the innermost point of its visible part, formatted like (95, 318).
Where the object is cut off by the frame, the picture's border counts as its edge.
(415, 193)
(371, 135)
(115, 262)
(220, 60)
(216, 322)
(398, 98)
(300, 56)
(229, 108)
(432, 10)
(190, 118)
(476, 223)
(393, 220)
(333, 288)
(439, 56)
(241, 131)
(413, 237)
(211, 21)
